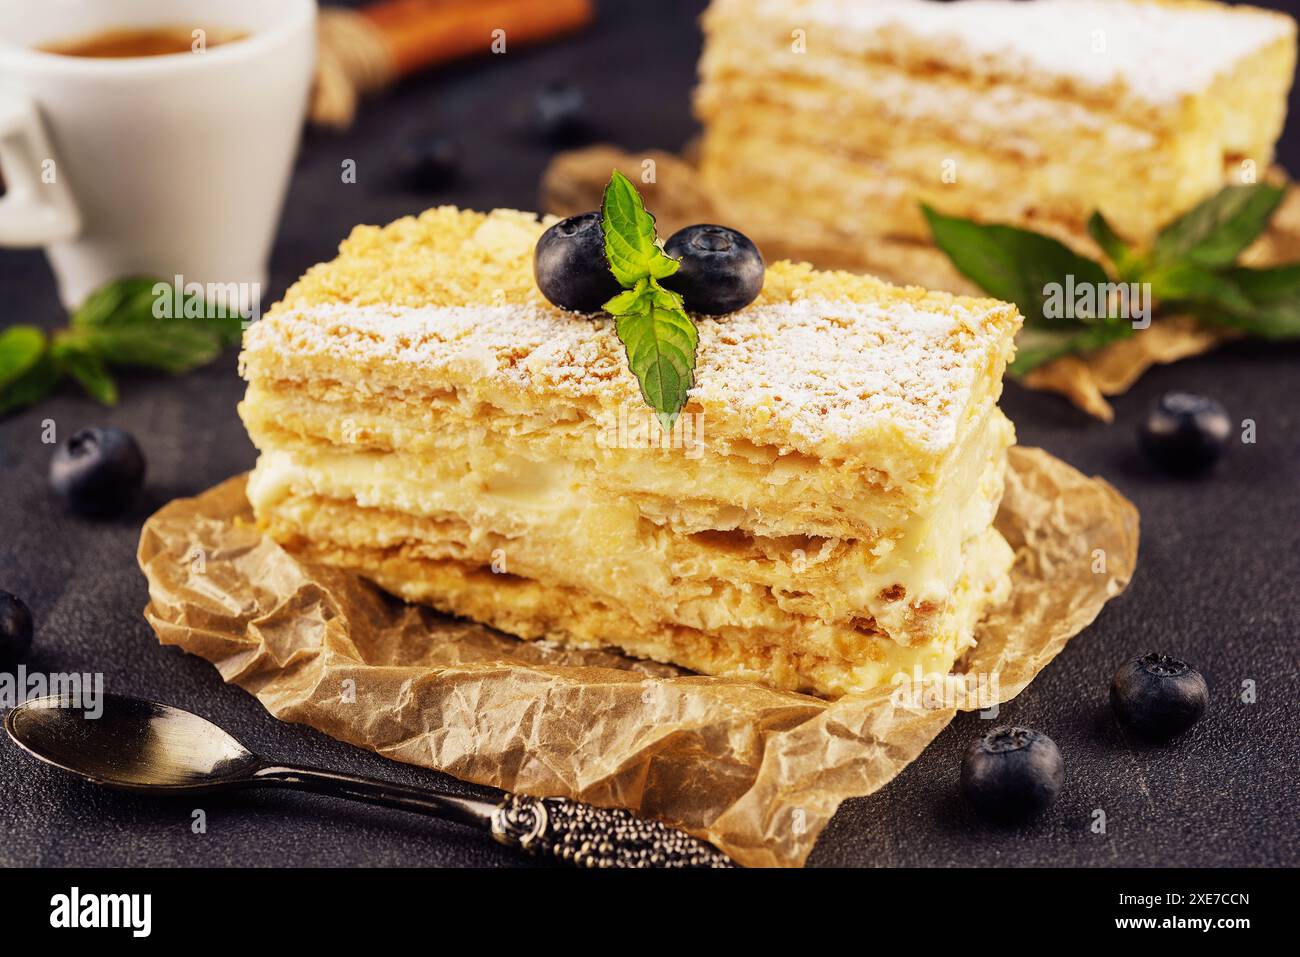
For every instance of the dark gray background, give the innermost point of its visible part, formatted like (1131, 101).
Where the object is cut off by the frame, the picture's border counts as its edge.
(1215, 581)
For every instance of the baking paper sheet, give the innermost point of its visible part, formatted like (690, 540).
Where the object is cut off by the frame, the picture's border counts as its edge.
(756, 771)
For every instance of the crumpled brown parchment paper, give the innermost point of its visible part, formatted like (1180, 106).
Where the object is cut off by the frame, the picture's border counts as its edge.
(575, 180)
(1086, 380)
(756, 771)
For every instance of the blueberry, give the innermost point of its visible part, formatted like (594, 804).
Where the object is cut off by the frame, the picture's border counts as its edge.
(97, 472)
(561, 115)
(1185, 433)
(1158, 696)
(570, 267)
(721, 270)
(15, 630)
(427, 162)
(1012, 773)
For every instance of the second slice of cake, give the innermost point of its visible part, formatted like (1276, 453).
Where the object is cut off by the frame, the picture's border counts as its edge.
(829, 122)
(820, 519)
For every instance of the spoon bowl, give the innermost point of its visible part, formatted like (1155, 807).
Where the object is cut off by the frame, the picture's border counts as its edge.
(133, 745)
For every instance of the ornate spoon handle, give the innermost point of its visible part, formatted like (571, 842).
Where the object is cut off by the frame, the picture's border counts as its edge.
(573, 832)
(589, 836)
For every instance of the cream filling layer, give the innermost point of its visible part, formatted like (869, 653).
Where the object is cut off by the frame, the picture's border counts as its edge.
(710, 487)
(433, 559)
(555, 501)
(531, 609)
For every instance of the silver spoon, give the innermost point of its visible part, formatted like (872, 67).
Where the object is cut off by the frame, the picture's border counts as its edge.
(152, 748)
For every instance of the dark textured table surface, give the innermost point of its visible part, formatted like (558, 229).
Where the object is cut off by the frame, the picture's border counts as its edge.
(1216, 579)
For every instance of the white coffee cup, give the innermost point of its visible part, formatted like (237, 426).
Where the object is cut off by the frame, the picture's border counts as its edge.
(158, 166)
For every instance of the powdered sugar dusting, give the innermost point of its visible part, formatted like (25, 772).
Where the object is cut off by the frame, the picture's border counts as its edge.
(822, 376)
(1160, 51)
(841, 369)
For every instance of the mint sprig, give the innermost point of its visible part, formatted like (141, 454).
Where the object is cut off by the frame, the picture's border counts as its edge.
(125, 323)
(650, 320)
(1190, 268)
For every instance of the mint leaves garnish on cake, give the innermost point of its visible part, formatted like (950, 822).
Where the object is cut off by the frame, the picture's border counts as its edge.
(1191, 267)
(650, 319)
(621, 268)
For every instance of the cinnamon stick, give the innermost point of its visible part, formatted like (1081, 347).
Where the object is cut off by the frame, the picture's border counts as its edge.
(423, 33)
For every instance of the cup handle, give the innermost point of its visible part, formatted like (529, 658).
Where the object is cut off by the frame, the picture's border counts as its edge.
(37, 207)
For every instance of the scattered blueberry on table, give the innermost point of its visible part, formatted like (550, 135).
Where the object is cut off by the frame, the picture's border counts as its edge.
(561, 114)
(15, 630)
(98, 472)
(1012, 773)
(721, 269)
(427, 162)
(570, 266)
(1185, 433)
(1158, 696)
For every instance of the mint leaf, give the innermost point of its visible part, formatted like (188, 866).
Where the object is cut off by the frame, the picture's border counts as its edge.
(1012, 264)
(32, 385)
(1121, 255)
(1036, 346)
(85, 367)
(116, 300)
(1272, 302)
(93, 376)
(1188, 283)
(629, 300)
(650, 321)
(1028, 268)
(137, 300)
(630, 235)
(660, 340)
(21, 347)
(1271, 284)
(1214, 232)
(660, 343)
(170, 345)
